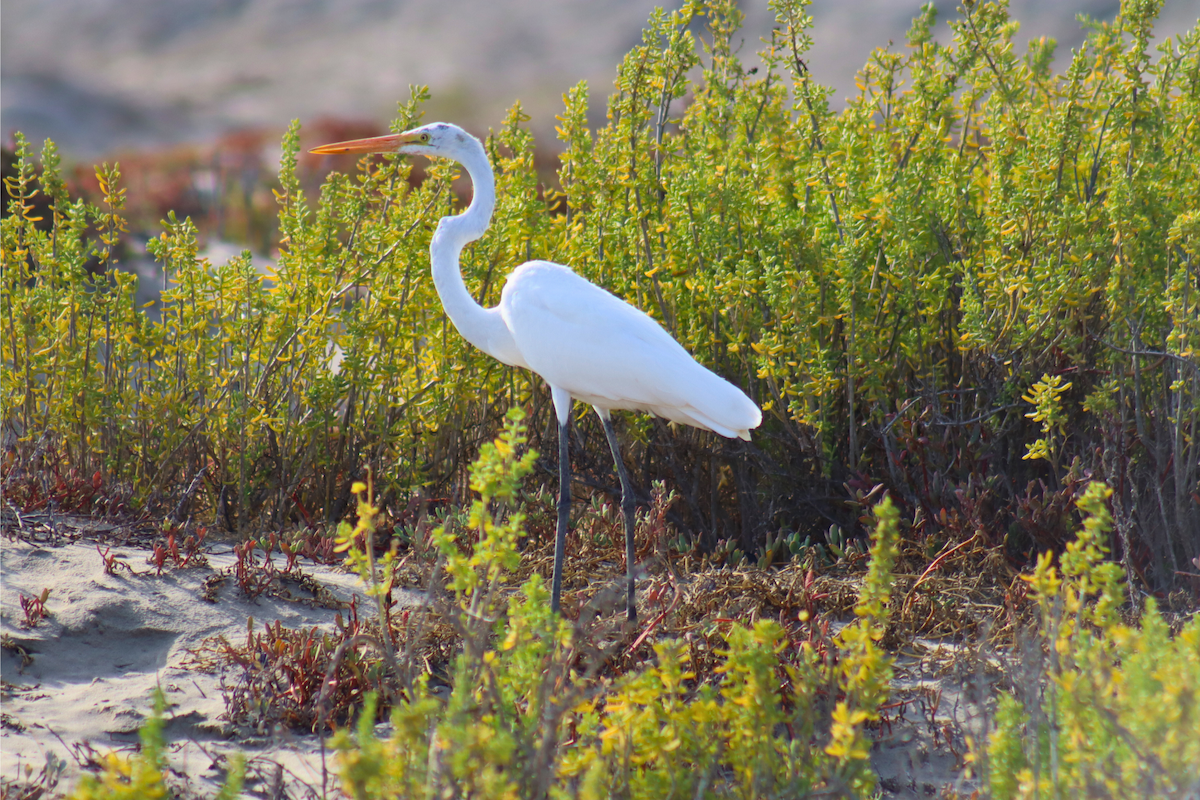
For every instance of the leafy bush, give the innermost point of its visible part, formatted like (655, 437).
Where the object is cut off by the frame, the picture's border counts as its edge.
(531, 713)
(534, 709)
(887, 281)
(1109, 710)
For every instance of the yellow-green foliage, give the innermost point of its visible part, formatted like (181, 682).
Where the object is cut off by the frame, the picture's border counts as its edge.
(529, 715)
(969, 220)
(1046, 398)
(142, 776)
(475, 575)
(1120, 713)
(510, 677)
(658, 734)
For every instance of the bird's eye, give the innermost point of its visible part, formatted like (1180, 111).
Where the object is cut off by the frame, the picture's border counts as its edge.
(425, 138)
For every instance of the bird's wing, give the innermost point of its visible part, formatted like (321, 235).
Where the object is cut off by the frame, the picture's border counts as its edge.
(605, 352)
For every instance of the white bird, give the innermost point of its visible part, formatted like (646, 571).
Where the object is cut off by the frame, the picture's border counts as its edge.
(586, 343)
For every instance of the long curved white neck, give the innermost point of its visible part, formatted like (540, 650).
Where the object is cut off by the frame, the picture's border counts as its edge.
(482, 327)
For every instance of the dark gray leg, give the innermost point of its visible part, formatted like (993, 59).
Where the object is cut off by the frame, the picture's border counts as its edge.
(627, 508)
(564, 513)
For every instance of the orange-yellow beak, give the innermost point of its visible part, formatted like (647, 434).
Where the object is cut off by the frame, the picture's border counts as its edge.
(376, 144)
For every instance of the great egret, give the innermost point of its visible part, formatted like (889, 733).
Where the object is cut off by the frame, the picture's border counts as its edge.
(586, 343)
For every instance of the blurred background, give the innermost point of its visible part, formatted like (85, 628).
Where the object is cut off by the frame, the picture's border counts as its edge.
(104, 76)
(192, 98)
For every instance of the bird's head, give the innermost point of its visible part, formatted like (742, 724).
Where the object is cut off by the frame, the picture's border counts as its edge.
(434, 139)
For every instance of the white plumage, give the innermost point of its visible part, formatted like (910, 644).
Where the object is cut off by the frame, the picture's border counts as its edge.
(608, 354)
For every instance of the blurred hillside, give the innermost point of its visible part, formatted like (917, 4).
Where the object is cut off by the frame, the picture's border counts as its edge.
(100, 76)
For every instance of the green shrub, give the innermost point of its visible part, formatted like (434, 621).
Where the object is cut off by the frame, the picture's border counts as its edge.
(530, 712)
(1118, 712)
(886, 281)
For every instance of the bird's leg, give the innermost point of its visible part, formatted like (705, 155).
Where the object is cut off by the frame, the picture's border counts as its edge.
(564, 496)
(628, 506)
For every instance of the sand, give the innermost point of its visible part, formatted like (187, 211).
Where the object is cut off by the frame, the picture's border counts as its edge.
(82, 678)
